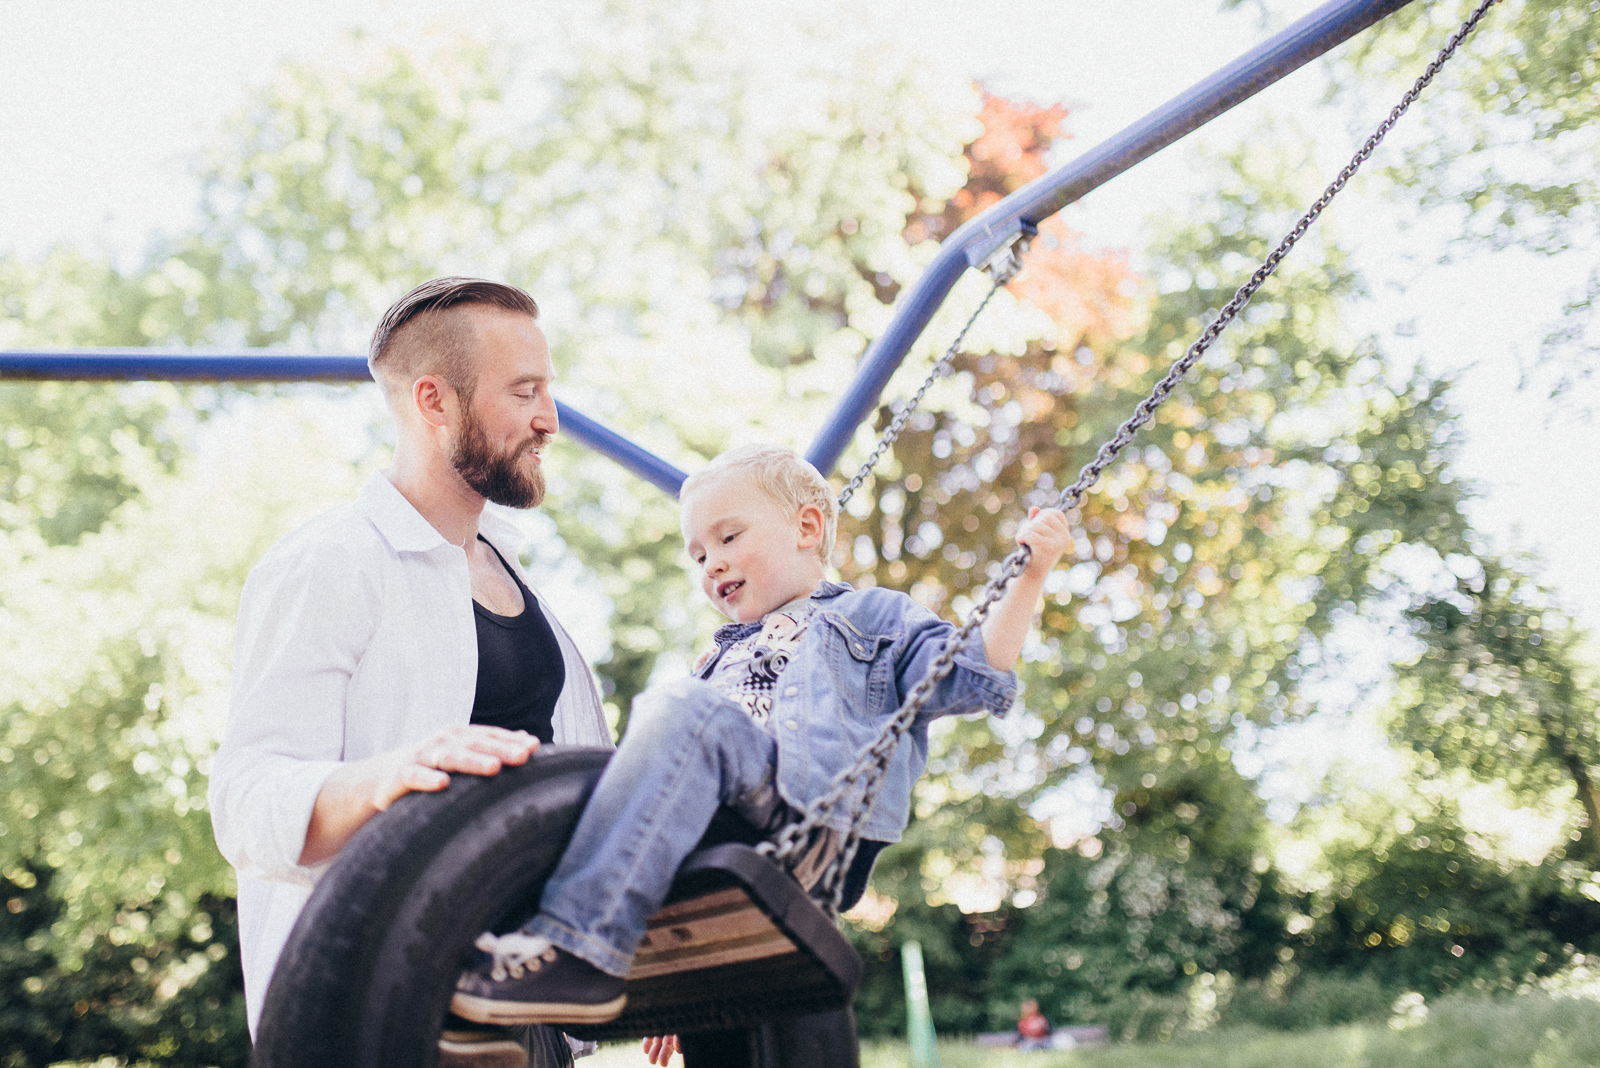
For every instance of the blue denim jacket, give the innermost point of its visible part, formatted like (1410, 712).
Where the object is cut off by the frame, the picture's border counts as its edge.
(862, 652)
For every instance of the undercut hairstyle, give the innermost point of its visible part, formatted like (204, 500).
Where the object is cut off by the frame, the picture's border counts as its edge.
(784, 476)
(424, 334)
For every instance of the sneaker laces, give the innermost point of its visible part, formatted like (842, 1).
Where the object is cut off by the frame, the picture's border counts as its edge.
(514, 953)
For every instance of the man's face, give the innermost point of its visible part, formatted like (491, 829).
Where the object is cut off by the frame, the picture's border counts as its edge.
(510, 415)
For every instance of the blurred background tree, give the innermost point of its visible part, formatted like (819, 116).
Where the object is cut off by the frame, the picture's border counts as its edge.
(1510, 154)
(714, 230)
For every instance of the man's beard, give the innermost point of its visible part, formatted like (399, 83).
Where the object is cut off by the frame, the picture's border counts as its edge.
(499, 476)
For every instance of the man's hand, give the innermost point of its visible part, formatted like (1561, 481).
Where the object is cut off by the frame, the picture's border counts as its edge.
(361, 789)
(470, 748)
(659, 1050)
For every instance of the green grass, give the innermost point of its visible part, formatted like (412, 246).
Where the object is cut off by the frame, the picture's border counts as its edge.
(1533, 1031)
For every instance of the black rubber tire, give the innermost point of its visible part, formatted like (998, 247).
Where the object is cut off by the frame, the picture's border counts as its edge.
(366, 975)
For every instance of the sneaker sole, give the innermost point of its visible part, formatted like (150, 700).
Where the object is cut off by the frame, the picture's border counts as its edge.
(502, 1053)
(490, 1011)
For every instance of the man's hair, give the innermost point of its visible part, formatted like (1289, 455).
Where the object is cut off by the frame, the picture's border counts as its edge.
(783, 476)
(419, 336)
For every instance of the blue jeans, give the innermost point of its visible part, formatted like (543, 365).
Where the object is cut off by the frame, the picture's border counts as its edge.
(689, 749)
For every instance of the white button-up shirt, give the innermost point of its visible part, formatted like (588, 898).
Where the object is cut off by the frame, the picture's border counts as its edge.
(355, 637)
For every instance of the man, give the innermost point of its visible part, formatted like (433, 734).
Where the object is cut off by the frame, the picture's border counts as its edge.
(392, 641)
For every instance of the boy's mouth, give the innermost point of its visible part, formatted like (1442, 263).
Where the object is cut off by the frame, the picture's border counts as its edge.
(726, 589)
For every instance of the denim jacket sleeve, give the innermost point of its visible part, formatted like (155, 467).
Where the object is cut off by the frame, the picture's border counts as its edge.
(972, 686)
(864, 652)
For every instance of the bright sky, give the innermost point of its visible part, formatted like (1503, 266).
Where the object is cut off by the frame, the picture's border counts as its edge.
(104, 107)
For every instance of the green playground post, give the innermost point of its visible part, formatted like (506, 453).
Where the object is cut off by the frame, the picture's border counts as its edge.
(921, 1041)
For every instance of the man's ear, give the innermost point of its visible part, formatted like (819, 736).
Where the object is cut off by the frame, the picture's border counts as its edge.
(810, 523)
(431, 395)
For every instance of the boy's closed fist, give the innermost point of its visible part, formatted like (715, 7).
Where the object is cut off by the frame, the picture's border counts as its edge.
(1048, 534)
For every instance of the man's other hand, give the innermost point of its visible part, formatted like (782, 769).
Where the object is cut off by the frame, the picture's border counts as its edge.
(659, 1050)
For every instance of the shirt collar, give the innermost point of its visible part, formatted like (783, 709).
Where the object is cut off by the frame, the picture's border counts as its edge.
(502, 533)
(734, 632)
(407, 531)
(397, 519)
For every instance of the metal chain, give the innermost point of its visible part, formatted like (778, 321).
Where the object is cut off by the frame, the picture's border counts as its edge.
(861, 781)
(1002, 268)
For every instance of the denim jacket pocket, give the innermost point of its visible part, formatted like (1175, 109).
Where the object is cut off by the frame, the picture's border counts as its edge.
(863, 673)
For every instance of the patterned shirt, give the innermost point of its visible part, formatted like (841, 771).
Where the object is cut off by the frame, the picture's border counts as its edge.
(750, 656)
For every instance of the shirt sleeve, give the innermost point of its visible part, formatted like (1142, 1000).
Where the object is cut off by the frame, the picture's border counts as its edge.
(306, 617)
(972, 685)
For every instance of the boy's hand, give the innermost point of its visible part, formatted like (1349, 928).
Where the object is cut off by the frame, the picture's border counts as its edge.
(1047, 533)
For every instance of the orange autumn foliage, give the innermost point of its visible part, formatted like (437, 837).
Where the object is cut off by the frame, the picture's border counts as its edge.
(1085, 292)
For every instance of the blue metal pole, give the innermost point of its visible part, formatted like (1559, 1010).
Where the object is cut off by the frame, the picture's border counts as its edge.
(970, 246)
(607, 442)
(153, 365)
(125, 365)
(975, 241)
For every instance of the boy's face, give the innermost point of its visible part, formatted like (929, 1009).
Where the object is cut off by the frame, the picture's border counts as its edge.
(752, 553)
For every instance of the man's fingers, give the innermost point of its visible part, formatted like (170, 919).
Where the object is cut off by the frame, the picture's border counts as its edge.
(659, 1050)
(513, 749)
(411, 777)
(510, 747)
(476, 750)
(459, 758)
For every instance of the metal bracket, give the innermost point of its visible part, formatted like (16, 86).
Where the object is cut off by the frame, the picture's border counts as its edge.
(1005, 262)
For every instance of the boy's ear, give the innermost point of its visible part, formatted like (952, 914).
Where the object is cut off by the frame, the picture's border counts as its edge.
(810, 523)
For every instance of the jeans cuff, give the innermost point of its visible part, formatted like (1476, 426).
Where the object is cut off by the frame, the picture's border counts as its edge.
(593, 950)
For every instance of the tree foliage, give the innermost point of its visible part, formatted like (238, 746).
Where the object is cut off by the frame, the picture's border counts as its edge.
(1510, 140)
(1254, 513)
(1500, 688)
(714, 230)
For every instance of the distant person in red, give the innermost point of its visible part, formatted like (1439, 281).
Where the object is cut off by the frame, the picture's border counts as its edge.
(1033, 1030)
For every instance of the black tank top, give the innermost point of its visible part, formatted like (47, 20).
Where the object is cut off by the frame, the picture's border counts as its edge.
(520, 669)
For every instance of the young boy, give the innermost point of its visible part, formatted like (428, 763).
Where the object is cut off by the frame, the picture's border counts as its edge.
(804, 677)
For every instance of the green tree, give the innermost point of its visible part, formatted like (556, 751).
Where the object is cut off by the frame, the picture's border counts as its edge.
(1216, 555)
(1292, 492)
(1405, 893)
(71, 453)
(663, 221)
(1509, 142)
(1499, 687)
(1522, 86)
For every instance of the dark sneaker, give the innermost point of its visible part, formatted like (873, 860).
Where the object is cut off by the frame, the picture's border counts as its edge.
(523, 979)
(463, 1044)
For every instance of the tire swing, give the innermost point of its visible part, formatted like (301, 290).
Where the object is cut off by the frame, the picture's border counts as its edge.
(741, 963)
(369, 967)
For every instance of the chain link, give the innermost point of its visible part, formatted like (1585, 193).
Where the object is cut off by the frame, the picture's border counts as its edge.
(859, 783)
(1002, 267)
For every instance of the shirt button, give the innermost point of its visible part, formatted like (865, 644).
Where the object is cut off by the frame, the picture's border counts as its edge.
(792, 724)
(791, 691)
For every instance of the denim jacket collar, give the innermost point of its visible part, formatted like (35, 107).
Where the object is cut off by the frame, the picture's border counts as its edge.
(733, 632)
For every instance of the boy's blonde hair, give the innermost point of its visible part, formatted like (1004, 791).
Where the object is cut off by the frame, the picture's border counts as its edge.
(783, 476)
